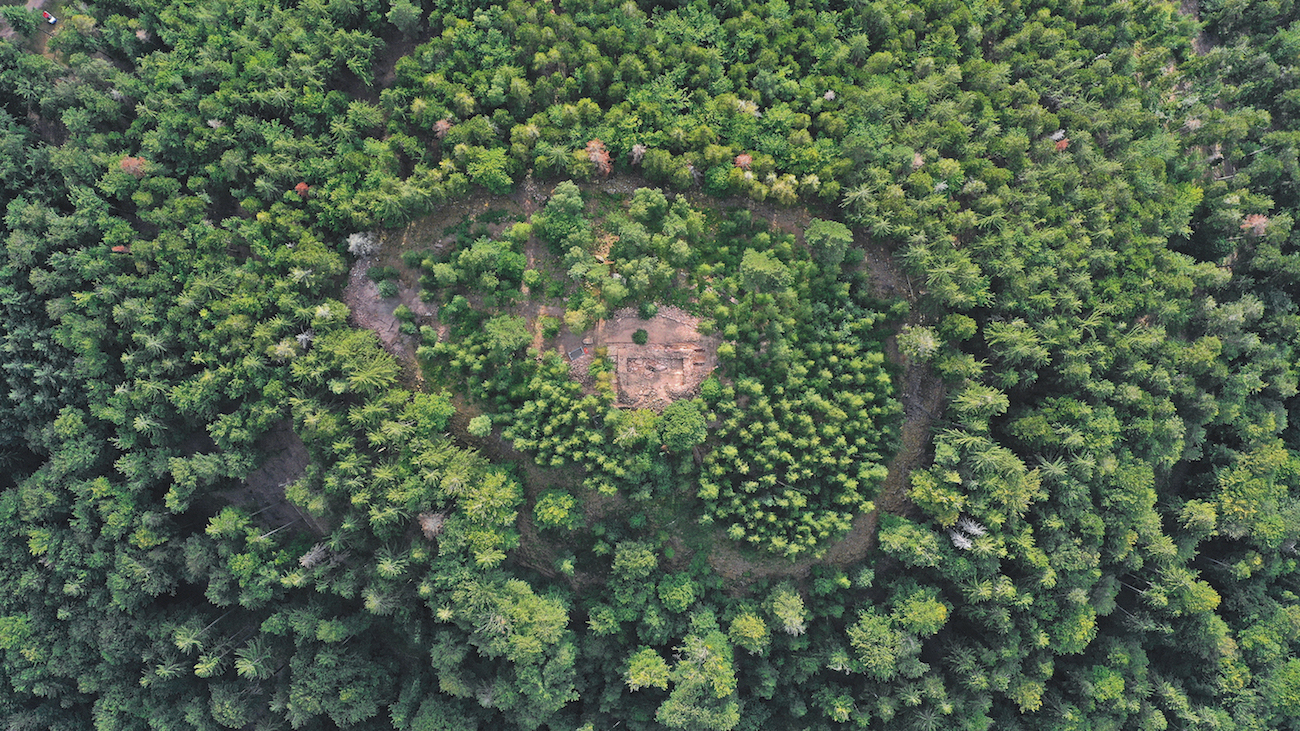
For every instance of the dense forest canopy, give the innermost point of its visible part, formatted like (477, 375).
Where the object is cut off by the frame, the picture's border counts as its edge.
(382, 364)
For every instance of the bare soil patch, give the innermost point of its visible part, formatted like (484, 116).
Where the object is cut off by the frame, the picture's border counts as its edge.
(373, 312)
(671, 365)
(434, 234)
(263, 491)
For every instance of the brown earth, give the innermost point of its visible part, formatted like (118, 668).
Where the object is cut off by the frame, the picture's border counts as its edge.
(42, 33)
(1204, 42)
(372, 312)
(671, 365)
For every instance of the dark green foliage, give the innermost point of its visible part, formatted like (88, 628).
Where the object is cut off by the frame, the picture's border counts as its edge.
(561, 223)
(20, 19)
(1092, 213)
(828, 241)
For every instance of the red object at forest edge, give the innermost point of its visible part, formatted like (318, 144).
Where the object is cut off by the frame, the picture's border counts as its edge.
(49, 18)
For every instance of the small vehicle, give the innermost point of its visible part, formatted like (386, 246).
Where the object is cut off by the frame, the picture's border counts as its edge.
(49, 18)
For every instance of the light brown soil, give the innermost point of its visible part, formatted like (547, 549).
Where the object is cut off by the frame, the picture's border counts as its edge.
(372, 312)
(671, 365)
(1203, 43)
(41, 33)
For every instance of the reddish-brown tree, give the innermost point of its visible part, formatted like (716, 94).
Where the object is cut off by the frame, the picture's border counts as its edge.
(134, 166)
(599, 157)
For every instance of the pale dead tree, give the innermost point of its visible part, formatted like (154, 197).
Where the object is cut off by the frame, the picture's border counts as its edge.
(960, 541)
(970, 526)
(1256, 223)
(313, 557)
(431, 523)
(599, 157)
(361, 243)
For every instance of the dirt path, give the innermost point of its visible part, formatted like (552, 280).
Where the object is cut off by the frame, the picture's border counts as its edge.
(263, 491)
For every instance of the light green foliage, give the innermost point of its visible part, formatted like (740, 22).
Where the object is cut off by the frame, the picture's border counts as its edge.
(480, 426)
(748, 630)
(488, 168)
(429, 413)
(404, 15)
(647, 669)
(634, 427)
(557, 509)
(918, 341)
(704, 686)
(506, 334)
(803, 454)
(20, 19)
(787, 606)
(920, 612)
(634, 561)
(876, 644)
(648, 205)
(437, 714)
(682, 425)
(677, 592)
(348, 361)
(908, 542)
(486, 259)
(762, 272)
(561, 223)
(1088, 208)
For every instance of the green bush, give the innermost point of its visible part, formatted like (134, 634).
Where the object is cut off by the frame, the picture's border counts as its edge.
(380, 273)
(640, 337)
(557, 509)
(480, 426)
(412, 259)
